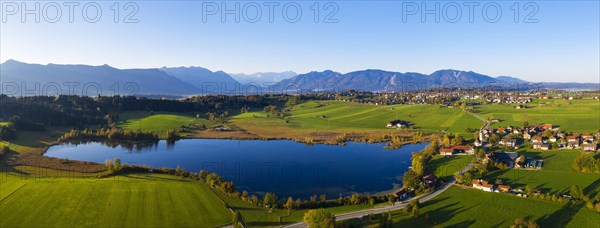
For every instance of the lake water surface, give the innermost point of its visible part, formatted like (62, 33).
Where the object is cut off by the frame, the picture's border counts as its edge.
(285, 168)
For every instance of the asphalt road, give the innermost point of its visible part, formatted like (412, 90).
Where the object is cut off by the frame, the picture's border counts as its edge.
(379, 210)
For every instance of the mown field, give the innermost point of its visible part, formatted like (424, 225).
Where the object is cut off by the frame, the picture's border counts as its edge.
(157, 122)
(445, 167)
(576, 115)
(140, 200)
(459, 207)
(557, 176)
(335, 116)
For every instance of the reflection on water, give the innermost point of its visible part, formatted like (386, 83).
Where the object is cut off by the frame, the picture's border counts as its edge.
(286, 168)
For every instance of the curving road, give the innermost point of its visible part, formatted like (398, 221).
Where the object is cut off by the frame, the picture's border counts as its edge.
(379, 210)
(425, 198)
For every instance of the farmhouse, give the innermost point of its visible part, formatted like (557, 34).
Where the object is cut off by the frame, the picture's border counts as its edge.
(507, 158)
(402, 194)
(510, 142)
(590, 147)
(397, 124)
(504, 188)
(430, 180)
(587, 137)
(573, 139)
(459, 149)
(447, 151)
(482, 185)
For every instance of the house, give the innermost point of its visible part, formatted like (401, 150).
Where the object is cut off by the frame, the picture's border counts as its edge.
(447, 151)
(487, 187)
(537, 139)
(430, 180)
(504, 188)
(548, 126)
(464, 149)
(397, 124)
(510, 142)
(507, 158)
(476, 183)
(402, 194)
(545, 147)
(573, 139)
(590, 147)
(552, 139)
(526, 135)
(587, 137)
(451, 150)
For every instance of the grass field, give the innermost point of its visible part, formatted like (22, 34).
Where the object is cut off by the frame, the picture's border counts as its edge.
(576, 115)
(556, 176)
(445, 167)
(141, 200)
(158, 122)
(457, 207)
(260, 217)
(476, 208)
(352, 117)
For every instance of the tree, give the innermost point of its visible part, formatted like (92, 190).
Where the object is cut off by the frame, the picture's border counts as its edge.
(458, 140)
(109, 165)
(323, 197)
(418, 163)
(289, 204)
(411, 179)
(319, 218)
(494, 138)
(523, 223)
(576, 192)
(203, 174)
(526, 124)
(117, 165)
(446, 140)
(270, 200)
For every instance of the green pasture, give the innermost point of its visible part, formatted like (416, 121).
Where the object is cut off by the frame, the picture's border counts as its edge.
(158, 122)
(556, 176)
(140, 200)
(576, 115)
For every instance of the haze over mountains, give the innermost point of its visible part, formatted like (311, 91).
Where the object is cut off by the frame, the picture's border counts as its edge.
(23, 79)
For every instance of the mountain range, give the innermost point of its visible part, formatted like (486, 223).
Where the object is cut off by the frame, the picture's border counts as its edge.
(24, 79)
(263, 78)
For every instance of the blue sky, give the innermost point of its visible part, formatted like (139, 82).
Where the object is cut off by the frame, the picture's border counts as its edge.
(563, 45)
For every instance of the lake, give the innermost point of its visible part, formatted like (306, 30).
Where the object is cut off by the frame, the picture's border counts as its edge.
(286, 168)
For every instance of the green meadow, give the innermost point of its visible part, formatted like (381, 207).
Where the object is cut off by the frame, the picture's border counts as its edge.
(345, 116)
(261, 217)
(137, 200)
(556, 176)
(158, 122)
(576, 115)
(445, 167)
(476, 208)
(458, 207)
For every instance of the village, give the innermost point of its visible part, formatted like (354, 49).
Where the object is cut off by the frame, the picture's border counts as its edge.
(498, 146)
